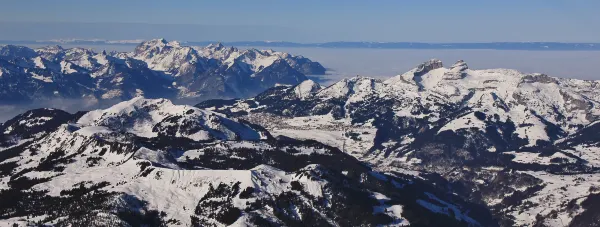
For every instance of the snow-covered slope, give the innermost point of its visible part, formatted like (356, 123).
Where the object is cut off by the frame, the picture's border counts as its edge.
(497, 137)
(148, 162)
(159, 117)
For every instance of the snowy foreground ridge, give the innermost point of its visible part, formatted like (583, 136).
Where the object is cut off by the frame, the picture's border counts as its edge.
(432, 147)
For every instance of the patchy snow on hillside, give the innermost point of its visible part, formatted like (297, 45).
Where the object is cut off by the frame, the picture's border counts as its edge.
(394, 211)
(558, 192)
(536, 158)
(42, 78)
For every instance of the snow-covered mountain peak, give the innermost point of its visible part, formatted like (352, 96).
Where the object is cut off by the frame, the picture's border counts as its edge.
(216, 46)
(413, 78)
(358, 85)
(123, 108)
(306, 89)
(427, 66)
(165, 56)
(154, 46)
(156, 117)
(457, 71)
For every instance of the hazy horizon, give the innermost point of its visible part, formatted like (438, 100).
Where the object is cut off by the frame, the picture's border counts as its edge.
(306, 21)
(68, 41)
(314, 21)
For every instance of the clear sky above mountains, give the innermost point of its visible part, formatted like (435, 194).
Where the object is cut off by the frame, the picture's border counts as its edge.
(305, 21)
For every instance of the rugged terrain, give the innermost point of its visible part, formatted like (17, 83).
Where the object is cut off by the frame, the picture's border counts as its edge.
(523, 145)
(434, 146)
(150, 162)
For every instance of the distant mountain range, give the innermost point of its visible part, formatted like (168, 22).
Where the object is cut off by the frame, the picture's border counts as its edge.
(342, 44)
(156, 68)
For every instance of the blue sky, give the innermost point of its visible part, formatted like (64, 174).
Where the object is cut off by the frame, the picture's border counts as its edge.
(305, 21)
